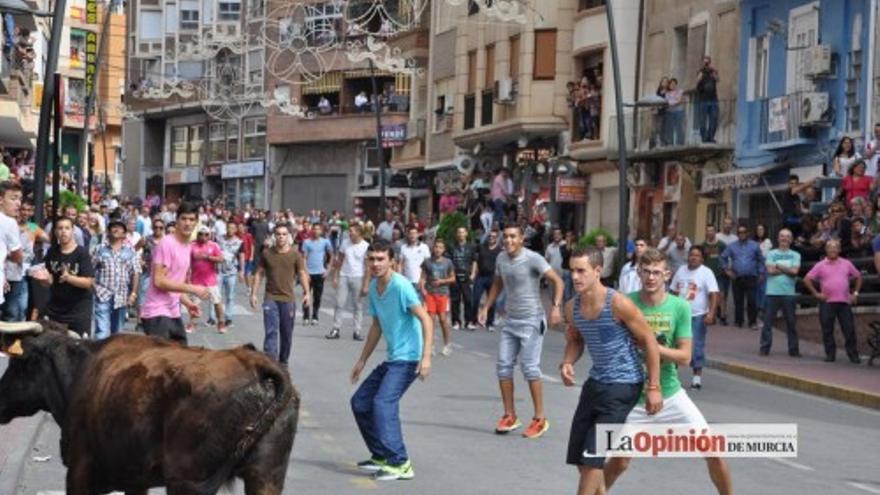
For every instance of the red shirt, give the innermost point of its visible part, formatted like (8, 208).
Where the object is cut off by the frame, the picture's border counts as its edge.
(247, 243)
(204, 272)
(857, 187)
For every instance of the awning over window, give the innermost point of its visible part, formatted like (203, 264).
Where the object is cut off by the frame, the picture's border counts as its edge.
(737, 178)
(331, 82)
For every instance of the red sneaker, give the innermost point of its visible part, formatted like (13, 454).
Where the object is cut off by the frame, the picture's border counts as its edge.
(537, 428)
(507, 423)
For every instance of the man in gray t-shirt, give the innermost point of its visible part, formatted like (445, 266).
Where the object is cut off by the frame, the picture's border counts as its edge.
(438, 273)
(518, 272)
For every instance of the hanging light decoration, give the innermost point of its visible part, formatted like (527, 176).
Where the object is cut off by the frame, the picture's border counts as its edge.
(370, 23)
(225, 93)
(300, 52)
(281, 101)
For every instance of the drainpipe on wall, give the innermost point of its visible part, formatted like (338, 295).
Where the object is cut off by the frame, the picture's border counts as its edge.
(869, 90)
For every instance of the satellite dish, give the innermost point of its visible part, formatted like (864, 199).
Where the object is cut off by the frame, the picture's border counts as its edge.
(465, 164)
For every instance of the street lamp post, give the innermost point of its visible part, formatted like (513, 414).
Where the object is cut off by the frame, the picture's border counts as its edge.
(377, 109)
(43, 149)
(623, 233)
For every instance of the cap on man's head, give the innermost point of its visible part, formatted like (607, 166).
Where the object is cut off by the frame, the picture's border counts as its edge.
(204, 230)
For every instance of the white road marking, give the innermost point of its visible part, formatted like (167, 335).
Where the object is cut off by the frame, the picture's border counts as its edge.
(793, 464)
(864, 487)
(551, 379)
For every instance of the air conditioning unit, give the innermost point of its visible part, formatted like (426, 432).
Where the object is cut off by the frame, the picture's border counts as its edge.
(450, 103)
(505, 90)
(818, 60)
(415, 129)
(814, 106)
(367, 180)
(465, 164)
(639, 176)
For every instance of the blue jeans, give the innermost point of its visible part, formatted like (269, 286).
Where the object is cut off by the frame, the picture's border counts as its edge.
(15, 306)
(674, 127)
(698, 353)
(499, 206)
(787, 305)
(8, 32)
(278, 322)
(108, 320)
(482, 285)
(227, 290)
(707, 120)
(568, 293)
(376, 408)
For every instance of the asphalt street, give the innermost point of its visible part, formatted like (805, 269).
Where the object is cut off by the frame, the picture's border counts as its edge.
(448, 426)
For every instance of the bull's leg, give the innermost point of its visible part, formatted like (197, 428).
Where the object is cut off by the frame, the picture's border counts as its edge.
(263, 485)
(79, 480)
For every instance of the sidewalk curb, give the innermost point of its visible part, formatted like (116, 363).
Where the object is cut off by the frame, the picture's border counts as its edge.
(33, 425)
(852, 396)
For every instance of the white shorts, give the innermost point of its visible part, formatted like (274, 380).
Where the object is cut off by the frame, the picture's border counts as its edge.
(677, 409)
(214, 295)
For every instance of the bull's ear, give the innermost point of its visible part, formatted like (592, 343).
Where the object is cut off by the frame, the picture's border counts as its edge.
(15, 350)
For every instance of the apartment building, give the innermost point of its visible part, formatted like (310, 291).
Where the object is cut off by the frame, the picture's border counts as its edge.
(501, 101)
(670, 153)
(22, 80)
(195, 128)
(326, 157)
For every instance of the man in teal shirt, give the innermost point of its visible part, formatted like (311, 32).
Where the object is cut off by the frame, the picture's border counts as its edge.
(398, 315)
(783, 265)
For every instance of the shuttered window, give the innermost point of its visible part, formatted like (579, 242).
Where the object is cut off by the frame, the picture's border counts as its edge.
(490, 67)
(514, 58)
(545, 54)
(472, 72)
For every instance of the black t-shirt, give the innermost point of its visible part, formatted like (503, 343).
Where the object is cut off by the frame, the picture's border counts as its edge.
(486, 259)
(790, 204)
(66, 302)
(707, 86)
(462, 257)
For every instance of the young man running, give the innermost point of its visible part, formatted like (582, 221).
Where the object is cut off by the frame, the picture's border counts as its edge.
(518, 272)
(281, 265)
(608, 323)
(206, 254)
(399, 317)
(317, 251)
(670, 318)
(438, 273)
(168, 290)
(350, 281)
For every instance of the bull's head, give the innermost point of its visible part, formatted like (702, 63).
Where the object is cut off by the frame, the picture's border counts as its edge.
(41, 369)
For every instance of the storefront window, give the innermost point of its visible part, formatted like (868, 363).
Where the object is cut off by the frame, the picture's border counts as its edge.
(251, 191)
(254, 138)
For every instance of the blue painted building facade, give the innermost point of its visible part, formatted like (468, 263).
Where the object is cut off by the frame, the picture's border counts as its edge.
(803, 83)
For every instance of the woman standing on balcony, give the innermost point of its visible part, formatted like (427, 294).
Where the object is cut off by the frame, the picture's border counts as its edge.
(856, 183)
(660, 133)
(674, 114)
(844, 157)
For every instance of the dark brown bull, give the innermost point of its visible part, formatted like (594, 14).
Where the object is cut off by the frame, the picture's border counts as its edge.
(139, 412)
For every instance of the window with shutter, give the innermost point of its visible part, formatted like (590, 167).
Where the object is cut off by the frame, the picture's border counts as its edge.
(545, 54)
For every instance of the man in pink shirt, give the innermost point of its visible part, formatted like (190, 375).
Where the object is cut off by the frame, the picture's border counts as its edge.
(834, 274)
(499, 192)
(205, 256)
(168, 289)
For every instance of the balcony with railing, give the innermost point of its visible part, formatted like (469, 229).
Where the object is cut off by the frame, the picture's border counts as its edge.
(689, 130)
(792, 119)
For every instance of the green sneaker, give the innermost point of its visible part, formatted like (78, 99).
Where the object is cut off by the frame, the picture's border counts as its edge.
(371, 465)
(391, 473)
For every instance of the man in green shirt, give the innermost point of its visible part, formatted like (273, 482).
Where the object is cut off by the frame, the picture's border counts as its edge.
(669, 317)
(783, 265)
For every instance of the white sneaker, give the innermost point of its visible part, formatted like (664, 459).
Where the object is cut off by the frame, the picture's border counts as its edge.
(447, 350)
(471, 326)
(490, 328)
(314, 322)
(696, 382)
(456, 326)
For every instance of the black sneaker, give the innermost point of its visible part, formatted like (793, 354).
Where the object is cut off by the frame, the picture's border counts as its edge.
(228, 323)
(333, 335)
(211, 322)
(794, 354)
(357, 336)
(855, 360)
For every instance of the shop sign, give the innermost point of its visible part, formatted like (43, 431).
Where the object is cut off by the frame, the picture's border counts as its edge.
(243, 169)
(393, 135)
(212, 170)
(571, 190)
(91, 11)
(188, 175)
(91, 61)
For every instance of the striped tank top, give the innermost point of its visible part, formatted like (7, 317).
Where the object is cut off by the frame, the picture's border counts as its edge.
(611, 347)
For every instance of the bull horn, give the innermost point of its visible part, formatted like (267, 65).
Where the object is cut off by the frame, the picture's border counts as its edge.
(73, 335)
(20, 327)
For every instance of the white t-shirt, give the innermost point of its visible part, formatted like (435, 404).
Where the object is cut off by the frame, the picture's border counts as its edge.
(412, 258)
(727, 239)
(10, 240)
(553, 255)
(629, 280)
(219, 229)
(353, 261)
(385, 230)
(695, 286)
